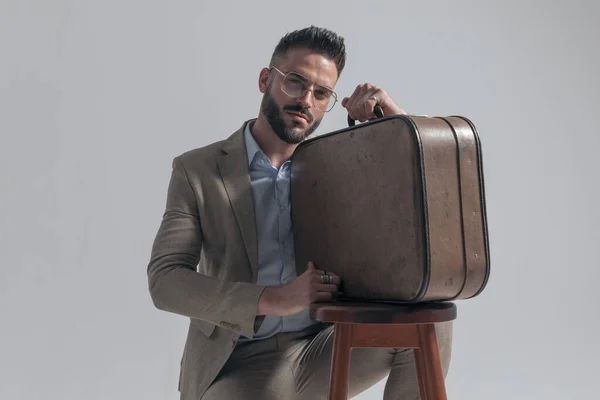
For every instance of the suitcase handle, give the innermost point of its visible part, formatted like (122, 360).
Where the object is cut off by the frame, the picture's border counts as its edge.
(377, 110)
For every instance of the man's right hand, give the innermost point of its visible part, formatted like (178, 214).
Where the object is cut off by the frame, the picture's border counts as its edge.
(297, 295)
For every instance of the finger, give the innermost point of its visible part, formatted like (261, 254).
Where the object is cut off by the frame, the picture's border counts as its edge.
(320, 279)
(310, 266)
(347, 103)
(358, 105)
(321, 271)
(325, 272)
(366, 105)
(370, 103)
(336, 280)
(350, 101)
(323, 297)
(318, 272)
(326, 287)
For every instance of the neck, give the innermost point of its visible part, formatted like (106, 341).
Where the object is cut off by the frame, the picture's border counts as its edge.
(274, 148)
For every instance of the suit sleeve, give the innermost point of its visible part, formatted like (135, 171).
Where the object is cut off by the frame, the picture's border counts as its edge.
(174, 283)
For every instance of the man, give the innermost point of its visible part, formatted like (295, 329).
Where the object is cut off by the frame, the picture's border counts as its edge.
(228, 211)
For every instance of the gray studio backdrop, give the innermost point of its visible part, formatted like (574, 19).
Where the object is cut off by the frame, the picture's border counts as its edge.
(97, 97)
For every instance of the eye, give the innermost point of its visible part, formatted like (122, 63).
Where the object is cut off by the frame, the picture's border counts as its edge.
(322, 94)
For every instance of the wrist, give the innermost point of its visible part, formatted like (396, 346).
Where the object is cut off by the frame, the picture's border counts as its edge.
(266, 301)
(392, 108)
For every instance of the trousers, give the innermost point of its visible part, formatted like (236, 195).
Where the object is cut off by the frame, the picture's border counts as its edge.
(296, 366)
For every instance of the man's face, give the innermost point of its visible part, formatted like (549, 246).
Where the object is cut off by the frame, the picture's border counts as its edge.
(294, 119)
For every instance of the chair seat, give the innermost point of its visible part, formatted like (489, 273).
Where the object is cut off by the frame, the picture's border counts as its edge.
(382, 313)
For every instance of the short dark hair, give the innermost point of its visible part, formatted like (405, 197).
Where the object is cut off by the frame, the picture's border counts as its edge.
(320, 40)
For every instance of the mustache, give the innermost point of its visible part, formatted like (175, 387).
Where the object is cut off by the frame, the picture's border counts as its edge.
(298, 109)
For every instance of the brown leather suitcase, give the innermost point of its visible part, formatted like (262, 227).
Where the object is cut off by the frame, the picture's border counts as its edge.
(396, 207)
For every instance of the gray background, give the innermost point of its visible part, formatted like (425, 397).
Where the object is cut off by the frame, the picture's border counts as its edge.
(97, 97)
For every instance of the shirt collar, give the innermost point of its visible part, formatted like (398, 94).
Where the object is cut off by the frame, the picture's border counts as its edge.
(251, 145)
(252, 148)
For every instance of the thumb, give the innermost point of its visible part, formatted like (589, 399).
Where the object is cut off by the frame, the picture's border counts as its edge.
(310, 266)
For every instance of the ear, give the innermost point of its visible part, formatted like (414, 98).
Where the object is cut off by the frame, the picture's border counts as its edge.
(263, 80)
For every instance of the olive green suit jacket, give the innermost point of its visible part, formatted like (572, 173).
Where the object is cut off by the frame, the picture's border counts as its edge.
(204, 259)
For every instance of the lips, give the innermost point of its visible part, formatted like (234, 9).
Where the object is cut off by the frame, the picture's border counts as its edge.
(298, 115)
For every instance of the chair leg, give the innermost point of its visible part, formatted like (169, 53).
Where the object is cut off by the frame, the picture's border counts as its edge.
(421, 373)
(340, 362)
(429, 357)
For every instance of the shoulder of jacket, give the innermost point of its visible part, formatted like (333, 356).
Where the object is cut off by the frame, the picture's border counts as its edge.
(205, 153)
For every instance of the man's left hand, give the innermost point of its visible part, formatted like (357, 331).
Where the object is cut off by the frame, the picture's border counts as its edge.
(361, 104)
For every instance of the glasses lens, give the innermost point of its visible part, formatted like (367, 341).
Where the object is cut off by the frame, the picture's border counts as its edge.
(295, 85)
(326, 104)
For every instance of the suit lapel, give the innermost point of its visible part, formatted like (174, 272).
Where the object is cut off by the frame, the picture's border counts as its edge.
(233, 167)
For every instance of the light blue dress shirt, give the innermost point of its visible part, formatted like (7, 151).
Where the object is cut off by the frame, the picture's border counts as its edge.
(272, 206)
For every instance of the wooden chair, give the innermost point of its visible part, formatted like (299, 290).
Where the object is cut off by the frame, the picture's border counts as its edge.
(386, 325)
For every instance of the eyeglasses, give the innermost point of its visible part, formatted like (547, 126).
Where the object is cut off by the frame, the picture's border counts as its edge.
(296, 85)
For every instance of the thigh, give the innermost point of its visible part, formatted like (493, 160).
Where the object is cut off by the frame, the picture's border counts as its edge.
(250, 375)
(313, 365)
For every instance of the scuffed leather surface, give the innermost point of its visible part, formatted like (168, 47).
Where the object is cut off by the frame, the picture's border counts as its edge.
(380, 204)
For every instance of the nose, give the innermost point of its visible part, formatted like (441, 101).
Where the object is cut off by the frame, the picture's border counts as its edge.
(306, 99)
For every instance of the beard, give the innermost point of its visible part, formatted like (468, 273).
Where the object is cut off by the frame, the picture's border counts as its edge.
(274, 117)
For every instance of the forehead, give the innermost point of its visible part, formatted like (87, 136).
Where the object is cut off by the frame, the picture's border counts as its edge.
(315, 67)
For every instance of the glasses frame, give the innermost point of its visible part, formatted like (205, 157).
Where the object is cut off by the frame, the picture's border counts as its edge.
(311, 88)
